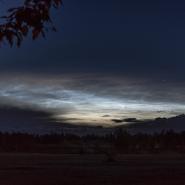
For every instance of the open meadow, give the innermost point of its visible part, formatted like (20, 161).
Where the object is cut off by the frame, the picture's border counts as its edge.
(75, 169)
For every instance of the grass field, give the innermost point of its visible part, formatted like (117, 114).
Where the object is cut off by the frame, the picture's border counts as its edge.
(43, 169)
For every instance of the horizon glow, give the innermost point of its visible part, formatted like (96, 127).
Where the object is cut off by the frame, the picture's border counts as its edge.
(85, 107)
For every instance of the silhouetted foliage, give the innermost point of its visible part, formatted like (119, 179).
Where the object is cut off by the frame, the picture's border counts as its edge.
(31, 16)
(110, 145)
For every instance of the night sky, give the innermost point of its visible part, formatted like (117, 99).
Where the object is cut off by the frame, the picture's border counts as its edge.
(110, 59)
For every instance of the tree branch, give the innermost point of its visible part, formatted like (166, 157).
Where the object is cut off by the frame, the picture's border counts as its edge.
(32, 16)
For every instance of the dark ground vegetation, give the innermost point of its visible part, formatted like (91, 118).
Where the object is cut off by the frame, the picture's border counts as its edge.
(117, 159)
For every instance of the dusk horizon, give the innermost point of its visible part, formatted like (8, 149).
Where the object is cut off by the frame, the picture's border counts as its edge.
(92, 92)
(113, 60)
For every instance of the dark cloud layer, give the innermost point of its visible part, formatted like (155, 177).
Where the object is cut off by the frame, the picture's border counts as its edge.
(25, 119)
(19, 119)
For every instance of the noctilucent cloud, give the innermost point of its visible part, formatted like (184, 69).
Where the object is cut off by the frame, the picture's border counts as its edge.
(92, 100)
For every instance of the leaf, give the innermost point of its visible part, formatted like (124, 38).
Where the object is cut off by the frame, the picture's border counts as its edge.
(24, 30)
(35, 33)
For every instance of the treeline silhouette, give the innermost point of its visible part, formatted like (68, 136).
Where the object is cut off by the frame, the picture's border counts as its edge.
(118, 142)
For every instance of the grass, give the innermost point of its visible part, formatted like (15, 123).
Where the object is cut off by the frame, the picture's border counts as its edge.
(47, 169)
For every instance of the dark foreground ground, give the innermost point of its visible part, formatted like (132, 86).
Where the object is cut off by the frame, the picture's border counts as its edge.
(43, 169)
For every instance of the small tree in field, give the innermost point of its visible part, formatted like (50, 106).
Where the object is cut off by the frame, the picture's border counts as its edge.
(32, 17)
